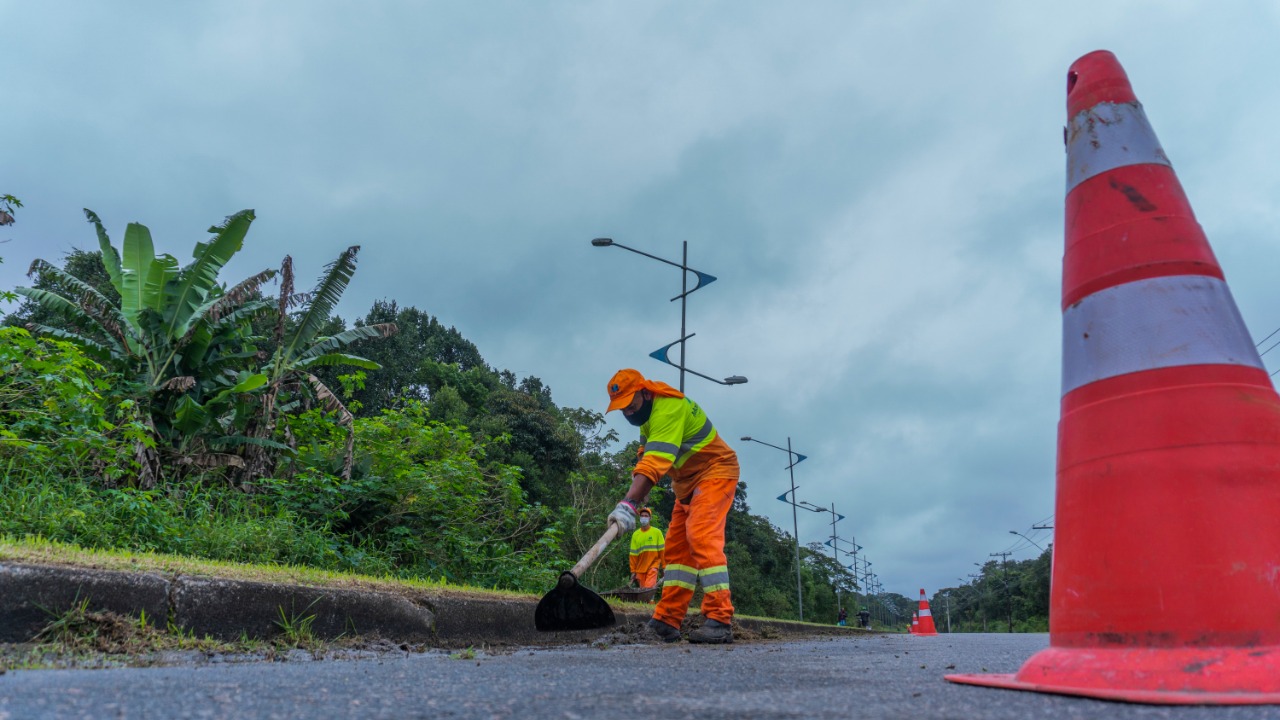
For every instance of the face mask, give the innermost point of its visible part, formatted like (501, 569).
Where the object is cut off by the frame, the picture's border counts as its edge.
(644, 522)
(640, 416)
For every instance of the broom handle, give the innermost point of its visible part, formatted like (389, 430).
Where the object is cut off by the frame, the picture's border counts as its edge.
(595, 550)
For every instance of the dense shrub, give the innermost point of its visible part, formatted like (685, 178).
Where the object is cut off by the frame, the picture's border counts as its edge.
(187, 518)
(422, 494)
(61, 411)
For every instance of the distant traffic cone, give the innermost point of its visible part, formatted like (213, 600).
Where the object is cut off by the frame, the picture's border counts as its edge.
(915, 623)
(1166, 569)
(926, 626)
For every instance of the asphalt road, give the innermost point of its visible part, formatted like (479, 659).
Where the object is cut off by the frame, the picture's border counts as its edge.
(892, 676)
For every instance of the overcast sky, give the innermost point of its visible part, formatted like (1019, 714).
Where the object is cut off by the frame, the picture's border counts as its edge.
(878, 187)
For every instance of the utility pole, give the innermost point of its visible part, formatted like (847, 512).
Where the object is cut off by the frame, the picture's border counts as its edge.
(982, 611)
(1004, 575)
(947, 596)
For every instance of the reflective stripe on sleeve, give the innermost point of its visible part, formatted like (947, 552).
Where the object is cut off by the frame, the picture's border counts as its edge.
(667, 449)
(1154, 323)
(1108, 136)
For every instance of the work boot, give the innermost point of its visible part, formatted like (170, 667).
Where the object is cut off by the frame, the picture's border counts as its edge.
(712, 631)
(666, 633)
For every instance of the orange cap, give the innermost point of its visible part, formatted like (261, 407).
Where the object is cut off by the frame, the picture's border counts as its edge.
(622, 387)
(645, 511)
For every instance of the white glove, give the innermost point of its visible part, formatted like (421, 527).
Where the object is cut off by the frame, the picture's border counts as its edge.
(624, 514)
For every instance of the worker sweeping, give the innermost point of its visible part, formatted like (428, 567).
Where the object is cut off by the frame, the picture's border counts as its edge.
(679, 440)
(648, 549)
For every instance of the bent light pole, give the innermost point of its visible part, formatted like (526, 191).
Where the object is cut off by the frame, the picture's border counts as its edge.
(703, 279)
(794, 459)
(1024, 537)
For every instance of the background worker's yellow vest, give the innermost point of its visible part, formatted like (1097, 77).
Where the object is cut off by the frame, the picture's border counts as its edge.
(647, 550)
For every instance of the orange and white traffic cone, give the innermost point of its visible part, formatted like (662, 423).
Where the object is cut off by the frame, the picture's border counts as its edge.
(926, 626)
(1166, 569)
(915, 623)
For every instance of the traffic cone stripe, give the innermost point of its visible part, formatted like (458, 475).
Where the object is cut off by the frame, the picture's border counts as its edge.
(1150, 324)
(1109, 136)
(926, 613)
(1120, 230)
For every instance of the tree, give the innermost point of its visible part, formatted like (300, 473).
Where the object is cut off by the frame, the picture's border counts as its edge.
(423, 356)
(8, 204)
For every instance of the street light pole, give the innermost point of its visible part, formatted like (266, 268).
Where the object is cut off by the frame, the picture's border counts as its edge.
(793, 458)
(835, 553)
(835, 541)
(684, 292)
(795, 528)
(703, 279)
(1024, 537)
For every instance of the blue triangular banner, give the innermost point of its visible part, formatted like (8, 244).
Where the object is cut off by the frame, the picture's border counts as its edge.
(703, 279)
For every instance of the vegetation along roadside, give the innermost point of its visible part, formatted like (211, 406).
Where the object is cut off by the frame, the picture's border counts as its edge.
(150, 406)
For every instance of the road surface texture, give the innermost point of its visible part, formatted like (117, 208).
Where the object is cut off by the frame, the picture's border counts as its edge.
(878, 676)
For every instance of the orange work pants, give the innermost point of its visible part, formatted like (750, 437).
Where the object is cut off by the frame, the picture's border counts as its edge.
(647, 579)
(695, 554)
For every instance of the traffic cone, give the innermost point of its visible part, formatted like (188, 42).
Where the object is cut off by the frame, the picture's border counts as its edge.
(1166, 569)
(915, 623)
(926, 626)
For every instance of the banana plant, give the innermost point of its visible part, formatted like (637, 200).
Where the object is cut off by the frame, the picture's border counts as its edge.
(175, 331)
(300, 348)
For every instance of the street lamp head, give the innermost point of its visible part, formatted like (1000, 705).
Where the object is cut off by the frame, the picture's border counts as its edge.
(1013, 532)
(746, 438)
(734, 380)
(602, 242)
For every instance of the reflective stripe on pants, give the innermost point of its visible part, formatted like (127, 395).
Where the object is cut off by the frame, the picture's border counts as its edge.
(695, 547)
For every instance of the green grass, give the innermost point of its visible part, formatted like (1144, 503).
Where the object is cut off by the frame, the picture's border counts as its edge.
(40, 551)
(213, 522)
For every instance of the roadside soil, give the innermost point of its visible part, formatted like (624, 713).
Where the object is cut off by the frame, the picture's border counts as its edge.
(91, 640)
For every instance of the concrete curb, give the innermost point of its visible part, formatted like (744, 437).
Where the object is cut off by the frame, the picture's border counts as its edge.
(231, 609)
(32, 595)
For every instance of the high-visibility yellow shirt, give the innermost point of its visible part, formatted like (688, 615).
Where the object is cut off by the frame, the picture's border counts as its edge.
(648, 550)
(679, 440)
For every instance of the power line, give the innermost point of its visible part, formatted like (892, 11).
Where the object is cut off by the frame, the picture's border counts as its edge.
(1273, 332)
(1273, 347)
